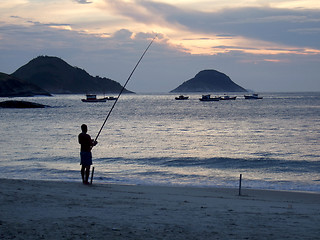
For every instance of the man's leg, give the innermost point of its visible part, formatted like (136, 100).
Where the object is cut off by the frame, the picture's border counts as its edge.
(87, 173)
(82, 173)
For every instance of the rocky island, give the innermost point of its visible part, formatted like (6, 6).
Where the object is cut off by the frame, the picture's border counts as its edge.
(11, 86)
(57, 76)
(209, 81)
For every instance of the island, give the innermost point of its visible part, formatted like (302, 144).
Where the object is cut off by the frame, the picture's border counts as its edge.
(58, 77)
(11, 86)
(209, 81)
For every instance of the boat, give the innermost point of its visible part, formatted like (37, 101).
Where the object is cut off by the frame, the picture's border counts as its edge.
(181, 97)
(93, 98)
(253, 96)
(226, 97)
(209, 98)
(111, 98)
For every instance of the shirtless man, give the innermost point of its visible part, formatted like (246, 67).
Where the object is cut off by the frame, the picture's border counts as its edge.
(85, 153)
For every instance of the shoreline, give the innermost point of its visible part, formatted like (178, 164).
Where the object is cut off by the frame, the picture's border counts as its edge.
(36, 209)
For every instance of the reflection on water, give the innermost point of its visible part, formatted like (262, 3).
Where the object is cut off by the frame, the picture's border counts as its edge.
(280, 127)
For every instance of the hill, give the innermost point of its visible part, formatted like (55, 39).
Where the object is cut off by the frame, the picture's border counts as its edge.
(56, 76)
(209, 81)
(11, 86)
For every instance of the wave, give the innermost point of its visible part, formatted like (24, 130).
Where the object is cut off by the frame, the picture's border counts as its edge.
(222, 163)
(264, 173)
(267, 164)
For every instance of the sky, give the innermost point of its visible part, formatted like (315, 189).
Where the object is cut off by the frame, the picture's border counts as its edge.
(262, 45)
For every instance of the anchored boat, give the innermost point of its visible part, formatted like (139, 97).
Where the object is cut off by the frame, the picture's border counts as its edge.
(209, 98)
(226, 97)
(93, 98)
(181, 97)
(253, 96)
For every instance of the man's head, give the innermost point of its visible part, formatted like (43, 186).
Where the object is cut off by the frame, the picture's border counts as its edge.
(84, 128)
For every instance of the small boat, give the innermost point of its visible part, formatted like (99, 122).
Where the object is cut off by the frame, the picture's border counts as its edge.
(253, 96)
(93, 98)
(226, 97)
(181, 97)
(209, 98)
(111, 98)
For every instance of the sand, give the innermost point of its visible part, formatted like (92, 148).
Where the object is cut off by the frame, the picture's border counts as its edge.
(70, 210)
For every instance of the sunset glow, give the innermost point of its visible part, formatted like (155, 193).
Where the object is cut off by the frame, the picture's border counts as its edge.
(202, 28)
(101, 17)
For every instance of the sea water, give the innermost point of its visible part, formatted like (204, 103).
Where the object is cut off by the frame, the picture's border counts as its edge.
(153, 139)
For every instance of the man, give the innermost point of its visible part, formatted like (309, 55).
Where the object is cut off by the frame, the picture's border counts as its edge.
(85, 153)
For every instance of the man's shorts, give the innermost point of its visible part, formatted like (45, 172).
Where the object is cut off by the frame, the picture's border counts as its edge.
(86, 158)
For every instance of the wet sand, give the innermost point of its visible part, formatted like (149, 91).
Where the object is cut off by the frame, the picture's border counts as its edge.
(69, 210)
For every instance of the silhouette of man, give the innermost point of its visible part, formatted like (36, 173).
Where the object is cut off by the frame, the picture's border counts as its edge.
(85, 153)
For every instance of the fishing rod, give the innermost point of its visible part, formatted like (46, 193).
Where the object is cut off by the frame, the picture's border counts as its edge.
(124, 88)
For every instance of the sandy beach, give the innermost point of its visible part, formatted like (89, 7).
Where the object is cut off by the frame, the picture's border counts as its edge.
(69, 210)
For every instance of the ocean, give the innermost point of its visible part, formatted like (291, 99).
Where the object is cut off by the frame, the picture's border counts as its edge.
(153, 139)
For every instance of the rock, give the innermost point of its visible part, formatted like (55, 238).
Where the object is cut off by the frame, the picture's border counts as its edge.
(21, 104)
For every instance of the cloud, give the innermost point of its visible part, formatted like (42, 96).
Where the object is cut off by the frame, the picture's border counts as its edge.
(286, 27)
(247, 44)
(123, 34)
(99, 56)
(82, 1)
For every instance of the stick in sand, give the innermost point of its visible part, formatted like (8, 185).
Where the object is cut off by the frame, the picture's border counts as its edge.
(92, 175)
(240, 184)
